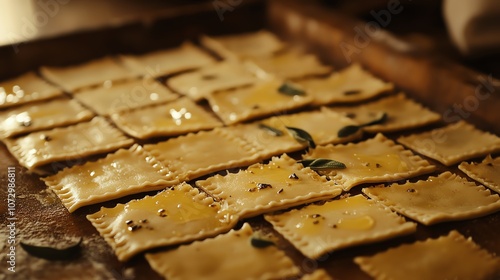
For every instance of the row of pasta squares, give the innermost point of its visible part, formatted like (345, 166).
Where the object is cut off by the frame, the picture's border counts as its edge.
(237, 89)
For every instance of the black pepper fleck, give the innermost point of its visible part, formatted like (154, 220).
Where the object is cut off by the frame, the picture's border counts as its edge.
(377, 165)
(315, 222)
(410, 190)
(262, 186)
(134, 227)
(293, 176)
(280, 191)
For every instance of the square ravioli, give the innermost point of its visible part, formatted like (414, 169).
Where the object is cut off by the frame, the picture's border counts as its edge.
(348, 85)
(375, 160)
(200, 83)
(223, 257)
(169, 61)
(486, 172)
(174, 118)
(26, 88)
(402, 113)
(176, 215)
(122, 173)
(91, 73)
(453, 143)
(124, 96)
(252, 44)
(318, 229)
(447, 257)
(261, 99)
(263, 188)
(288, 65)
(45, 115)
(444, 198)
(194, 155)
(67, 143)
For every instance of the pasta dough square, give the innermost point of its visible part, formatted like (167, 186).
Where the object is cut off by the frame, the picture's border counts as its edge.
(447, 257)
(453, 143)
(318, 229)
(264, 188)
(446, 197)
(486, 172)
(26, 88)
(76, 141)
(91, 73)
(223, 257)
(177, 117)
(173, 216)
(125, 96)
(194, 155)
(169, 61)
(288, 65)
(122, 173)
(259, 100)
(220, 76)
(349, 85)
(402, 113)
(253, 44)
(38, 116)
(376, 160)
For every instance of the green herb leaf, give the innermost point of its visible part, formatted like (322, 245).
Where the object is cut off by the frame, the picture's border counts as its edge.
(351, 129)
(288, 88)
(271, 130)
(322, 163)
(53, 253)
(348, 130)
(302, 136)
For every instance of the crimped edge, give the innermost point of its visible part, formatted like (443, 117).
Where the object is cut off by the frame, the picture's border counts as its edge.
(124, 251)
(422, 166)
(466, 168)
(450, 160)
(299, 242)
(428, 220)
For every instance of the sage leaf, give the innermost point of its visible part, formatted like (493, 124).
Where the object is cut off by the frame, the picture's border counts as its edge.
(289, 89)
(53, 253)
(271, 130)
(301, 136)
(351, 129)
(348, 130)
(322, 163)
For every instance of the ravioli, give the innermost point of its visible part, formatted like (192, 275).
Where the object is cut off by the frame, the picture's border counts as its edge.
(177, 117)
(39, 116)
(65, 143)
(164, 62)
(26, 88)
(119, 174)
(125, 96)
(446, 257)
(487, 172)
(263, 188)
(92, 73)
(173, 216)
(453, 143)
(244, 45)
(444, 198)
(351, 84)
(375, 160)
